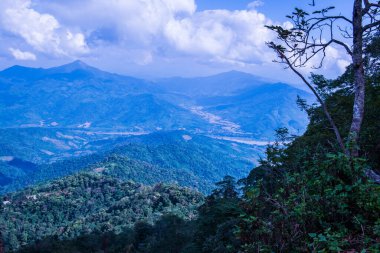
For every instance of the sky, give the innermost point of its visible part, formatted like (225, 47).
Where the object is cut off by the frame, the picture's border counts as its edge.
(153, 38)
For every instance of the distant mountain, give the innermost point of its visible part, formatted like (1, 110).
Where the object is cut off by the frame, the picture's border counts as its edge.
(260, 110)
(61, 120)
(243, 103)
(75, 66)
(224, 84)
(76, 95)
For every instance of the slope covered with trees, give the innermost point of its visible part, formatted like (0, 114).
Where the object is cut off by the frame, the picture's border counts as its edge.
(88, 203)
(174, 157)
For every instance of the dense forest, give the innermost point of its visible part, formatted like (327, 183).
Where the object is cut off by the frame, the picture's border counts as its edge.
(165, 156)
(89, 203)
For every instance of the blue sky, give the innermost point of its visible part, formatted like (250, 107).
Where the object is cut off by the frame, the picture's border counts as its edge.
(152, 38)
(275, 9)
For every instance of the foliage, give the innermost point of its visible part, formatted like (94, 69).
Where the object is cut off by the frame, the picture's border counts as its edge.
(175, 231)
(323, 206)
(308, 197)
(88, 203)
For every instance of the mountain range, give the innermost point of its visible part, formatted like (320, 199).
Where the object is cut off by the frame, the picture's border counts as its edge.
(79, 96)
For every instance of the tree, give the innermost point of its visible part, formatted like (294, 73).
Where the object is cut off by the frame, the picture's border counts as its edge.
(226, 188)
(310, 36)
(218, 217)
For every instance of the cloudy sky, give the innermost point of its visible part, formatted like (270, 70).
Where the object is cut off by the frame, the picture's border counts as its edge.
(151, 38)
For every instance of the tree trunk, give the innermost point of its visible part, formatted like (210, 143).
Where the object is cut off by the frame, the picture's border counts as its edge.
(359, 80)
(359, 86)
(2, 250)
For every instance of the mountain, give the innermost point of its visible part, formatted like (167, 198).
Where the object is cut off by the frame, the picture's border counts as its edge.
(86, 203)
(243, 104)
(259, 110)
(224, 84)
(77, 95)
(121, 149)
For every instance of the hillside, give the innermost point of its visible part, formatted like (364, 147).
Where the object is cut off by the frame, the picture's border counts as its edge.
(87, 203)
(242, 104)
(174, 157)
(261, 109)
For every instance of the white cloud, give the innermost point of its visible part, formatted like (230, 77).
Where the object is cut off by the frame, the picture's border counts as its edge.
(143, 33)
(22, 55)
(343, 64)
(138, 22)
(172, 28)
(255, 4)
(41, 31)
(336, 58)
(233, 36)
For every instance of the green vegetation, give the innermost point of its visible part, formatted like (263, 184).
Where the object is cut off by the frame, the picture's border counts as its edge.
(88, 203)
(198, 162)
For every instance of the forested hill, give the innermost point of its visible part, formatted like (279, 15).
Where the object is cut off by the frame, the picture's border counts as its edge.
(173, 157)
(87, 203)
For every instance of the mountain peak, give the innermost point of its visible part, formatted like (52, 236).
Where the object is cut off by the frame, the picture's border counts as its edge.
(79, 64)
(74, 66)
(18, 70)
(240, 74)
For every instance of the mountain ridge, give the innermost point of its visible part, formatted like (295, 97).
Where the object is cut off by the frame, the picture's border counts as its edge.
(78, 95)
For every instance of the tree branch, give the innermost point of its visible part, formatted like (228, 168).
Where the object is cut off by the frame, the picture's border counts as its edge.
(343, 45)
(320, 100)
(371, 25)
(368, 5)
(332, 17)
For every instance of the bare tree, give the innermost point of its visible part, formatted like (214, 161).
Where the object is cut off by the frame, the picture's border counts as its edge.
(313, 33)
